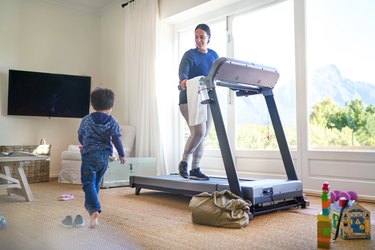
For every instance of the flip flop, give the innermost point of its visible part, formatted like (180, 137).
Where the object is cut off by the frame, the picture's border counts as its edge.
(66, 197)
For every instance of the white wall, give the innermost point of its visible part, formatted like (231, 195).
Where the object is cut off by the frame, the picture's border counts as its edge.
(38, 36)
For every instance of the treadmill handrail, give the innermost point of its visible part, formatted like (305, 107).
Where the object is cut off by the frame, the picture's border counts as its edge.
(209, 80)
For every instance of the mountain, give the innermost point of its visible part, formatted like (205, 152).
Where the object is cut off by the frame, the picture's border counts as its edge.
(325, 82)
(328, 82)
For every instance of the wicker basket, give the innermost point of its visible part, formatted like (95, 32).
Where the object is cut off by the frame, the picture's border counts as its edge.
(36, 171)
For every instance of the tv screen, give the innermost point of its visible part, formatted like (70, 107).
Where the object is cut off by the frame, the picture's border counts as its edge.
(48, 94)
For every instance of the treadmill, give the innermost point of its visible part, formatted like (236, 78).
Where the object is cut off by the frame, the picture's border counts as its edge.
(264, 195)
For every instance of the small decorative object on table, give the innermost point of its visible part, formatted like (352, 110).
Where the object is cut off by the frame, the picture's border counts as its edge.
(43, 148)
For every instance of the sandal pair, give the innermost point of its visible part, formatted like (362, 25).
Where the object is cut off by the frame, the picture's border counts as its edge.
(66, 197)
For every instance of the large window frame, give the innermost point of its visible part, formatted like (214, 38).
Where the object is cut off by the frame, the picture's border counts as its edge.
(342, 167)
(227, 97)
(301, 72)
(341, 109)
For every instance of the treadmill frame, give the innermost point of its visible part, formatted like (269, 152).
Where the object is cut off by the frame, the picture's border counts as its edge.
(250, 79)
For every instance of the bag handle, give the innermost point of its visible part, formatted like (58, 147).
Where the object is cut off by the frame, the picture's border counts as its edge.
(229, 196)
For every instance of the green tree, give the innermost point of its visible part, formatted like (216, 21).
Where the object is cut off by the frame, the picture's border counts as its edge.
(337, 120)
(323, 111)
(355, 116)
(366, 134)
(370, 121)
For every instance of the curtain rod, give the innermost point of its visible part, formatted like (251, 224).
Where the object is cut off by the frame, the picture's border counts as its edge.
(125, 4)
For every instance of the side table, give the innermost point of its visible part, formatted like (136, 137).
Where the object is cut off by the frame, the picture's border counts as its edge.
(20, 185)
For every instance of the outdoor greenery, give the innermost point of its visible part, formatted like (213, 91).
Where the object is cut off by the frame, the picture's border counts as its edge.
(255, 136)
(332, 125)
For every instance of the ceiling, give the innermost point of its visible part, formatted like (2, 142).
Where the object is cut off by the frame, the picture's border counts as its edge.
(87, 5)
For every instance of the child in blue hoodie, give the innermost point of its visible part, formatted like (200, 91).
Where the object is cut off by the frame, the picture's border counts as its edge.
(97, 133)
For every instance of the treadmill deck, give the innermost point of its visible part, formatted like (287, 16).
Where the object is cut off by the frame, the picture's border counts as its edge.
(262, 193)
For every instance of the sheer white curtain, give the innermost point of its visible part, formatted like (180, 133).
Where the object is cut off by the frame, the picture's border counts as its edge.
(141, 24)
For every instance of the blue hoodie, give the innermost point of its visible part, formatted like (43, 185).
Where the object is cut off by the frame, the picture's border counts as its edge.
(98, 131)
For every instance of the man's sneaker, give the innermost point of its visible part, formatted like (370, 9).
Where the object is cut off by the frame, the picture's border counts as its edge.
(182, 168)
(78, 221)
(196, 174)
(68, 221)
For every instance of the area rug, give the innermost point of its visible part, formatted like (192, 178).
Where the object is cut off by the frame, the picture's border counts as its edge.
(151, 220)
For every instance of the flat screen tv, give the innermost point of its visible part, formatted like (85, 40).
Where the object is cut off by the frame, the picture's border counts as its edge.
(48, 94)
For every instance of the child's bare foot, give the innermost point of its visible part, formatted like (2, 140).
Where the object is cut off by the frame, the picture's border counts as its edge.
(94, 219)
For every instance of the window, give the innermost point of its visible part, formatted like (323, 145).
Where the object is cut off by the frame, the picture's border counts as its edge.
(266, 37)
(341, 82)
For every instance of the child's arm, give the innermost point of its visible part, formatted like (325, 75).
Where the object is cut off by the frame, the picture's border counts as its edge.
(120, 149)
(122, 159)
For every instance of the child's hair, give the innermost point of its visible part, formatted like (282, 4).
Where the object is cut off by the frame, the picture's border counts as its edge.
(102, 99)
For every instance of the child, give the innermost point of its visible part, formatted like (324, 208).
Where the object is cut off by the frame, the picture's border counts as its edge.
(96, 134)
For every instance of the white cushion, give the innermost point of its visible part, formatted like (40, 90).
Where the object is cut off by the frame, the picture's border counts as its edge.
(73, 148)
(71, 155)
(128, 138)
(70, 172)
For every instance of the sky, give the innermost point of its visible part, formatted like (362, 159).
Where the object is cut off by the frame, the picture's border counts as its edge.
(342, 32)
